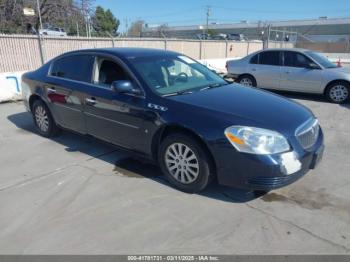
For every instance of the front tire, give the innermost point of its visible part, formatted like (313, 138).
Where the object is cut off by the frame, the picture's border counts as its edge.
(43, 119)
(338, 92)
(185, 163)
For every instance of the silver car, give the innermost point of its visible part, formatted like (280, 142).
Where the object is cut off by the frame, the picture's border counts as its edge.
(54, 31)
(295, 70)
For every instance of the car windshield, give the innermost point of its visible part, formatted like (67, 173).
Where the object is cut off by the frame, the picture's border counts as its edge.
(175, 75)
(322, 60)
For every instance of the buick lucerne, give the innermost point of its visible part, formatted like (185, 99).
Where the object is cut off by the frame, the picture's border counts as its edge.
(166, 107)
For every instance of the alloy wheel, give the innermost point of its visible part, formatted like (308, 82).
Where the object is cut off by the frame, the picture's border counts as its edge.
(182, 163)
(41, 118)
(338, 93)
(246, 82)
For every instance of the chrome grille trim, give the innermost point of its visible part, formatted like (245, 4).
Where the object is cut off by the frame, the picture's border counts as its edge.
(308, 133)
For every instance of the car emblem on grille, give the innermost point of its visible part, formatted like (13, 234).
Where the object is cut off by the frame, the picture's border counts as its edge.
(313, 130)
(307, 133)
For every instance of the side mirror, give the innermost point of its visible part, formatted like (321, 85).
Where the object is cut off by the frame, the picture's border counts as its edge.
(125, 87)
(313, 66)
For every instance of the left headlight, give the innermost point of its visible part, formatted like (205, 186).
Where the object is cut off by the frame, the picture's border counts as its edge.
(258, 141)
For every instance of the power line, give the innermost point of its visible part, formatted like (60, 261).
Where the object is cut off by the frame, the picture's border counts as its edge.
(179, 21)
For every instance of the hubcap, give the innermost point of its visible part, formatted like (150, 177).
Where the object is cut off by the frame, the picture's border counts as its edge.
(182, 163)
(338, 93)
(246, 82)
(41, 118)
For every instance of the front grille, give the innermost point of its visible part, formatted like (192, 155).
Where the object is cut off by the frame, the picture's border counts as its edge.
(308, 133)
(274, 182)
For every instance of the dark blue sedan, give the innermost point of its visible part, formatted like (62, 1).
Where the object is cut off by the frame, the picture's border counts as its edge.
(166, 107)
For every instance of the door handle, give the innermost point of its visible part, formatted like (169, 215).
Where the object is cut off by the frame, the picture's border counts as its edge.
(287, 72)
(91, 100)
(253, 69)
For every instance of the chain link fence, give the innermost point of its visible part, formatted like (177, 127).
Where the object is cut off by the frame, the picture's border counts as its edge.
(26, 52)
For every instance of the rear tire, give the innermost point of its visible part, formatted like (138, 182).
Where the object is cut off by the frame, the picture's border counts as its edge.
(338, 92)
(185, 163)
(44, 122)
(247, 80)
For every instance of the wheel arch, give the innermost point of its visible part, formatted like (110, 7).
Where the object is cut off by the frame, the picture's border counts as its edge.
(333, 82)
(166, 130)
(246, 74)
(32, 99)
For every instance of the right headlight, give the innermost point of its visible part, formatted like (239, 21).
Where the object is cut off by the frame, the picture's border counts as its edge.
(258, 141)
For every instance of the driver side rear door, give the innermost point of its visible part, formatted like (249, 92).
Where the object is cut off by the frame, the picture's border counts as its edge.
(267, 70)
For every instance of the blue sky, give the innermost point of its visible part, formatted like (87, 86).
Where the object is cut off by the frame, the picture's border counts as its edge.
(188, 12)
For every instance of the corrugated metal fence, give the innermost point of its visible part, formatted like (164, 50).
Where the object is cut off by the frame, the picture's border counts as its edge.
(23, 52)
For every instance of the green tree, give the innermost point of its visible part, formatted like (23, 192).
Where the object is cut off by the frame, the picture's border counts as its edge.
(104, 22)
(68, 14)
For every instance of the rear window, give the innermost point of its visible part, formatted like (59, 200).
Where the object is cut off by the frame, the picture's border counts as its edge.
(269, 58)
(76, 67)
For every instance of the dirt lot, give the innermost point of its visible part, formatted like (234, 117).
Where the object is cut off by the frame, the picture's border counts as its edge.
(74, 195)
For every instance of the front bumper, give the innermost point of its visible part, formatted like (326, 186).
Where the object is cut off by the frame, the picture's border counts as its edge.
(263, 172)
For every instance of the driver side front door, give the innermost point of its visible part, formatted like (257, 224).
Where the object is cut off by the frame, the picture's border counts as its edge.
(115, 118)
(297, 76)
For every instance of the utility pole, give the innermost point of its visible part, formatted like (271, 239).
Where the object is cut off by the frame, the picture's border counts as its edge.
(126, 21)
(268, 35)
(208, 15)
(39, 14)
(77, 28)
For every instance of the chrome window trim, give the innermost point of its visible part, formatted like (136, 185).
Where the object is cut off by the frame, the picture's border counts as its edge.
(94, 85)
(95, 54)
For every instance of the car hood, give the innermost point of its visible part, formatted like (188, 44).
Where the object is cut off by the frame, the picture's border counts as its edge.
(239, 105)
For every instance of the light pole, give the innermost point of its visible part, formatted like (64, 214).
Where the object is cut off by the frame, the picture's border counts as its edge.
(39, 14)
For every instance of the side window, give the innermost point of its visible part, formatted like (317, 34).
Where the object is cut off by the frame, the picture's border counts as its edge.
(255, 59)
(269, 58)
(289, 59)
(108, 71)
(302, 61)
(75, 67)
(294, 59)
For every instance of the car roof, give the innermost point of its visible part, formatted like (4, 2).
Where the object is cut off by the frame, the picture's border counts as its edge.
(301, 50)
(127, 51)
(286, 49)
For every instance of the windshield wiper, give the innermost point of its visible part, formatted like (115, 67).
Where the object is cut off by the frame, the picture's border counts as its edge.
(213, 86)
(185, 92)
